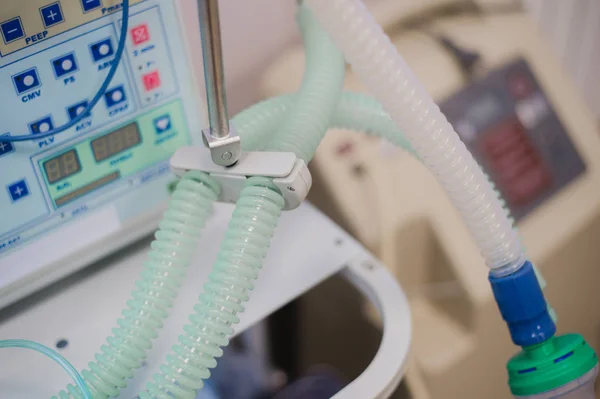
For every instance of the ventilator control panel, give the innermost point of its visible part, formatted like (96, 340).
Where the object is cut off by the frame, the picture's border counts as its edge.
(510, 126)
(103, 178)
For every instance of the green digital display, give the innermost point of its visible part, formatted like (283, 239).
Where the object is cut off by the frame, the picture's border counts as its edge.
(62, 166)
(115, 154)
(116, 142)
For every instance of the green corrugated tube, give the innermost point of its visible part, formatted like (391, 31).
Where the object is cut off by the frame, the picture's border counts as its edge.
(126, 350)
(252, 225)
(322, 84)
(172, 250)
(354, 111)
(238, 262)
(257, 124)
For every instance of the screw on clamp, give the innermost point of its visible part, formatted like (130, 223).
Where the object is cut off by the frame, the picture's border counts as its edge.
(220, 137)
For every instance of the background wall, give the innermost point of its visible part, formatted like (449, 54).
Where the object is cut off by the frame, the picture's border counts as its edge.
(573, 29)
(250, 43)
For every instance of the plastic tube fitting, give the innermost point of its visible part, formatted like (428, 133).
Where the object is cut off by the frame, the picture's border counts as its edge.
(523, 307)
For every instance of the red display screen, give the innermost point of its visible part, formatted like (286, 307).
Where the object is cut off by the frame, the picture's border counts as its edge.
(521, 172)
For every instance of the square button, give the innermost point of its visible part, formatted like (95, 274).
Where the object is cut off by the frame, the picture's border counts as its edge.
(89, 5)
(26, 81)
(52, 14)
(75, 110)
(43, 125)
(140, 34)
(6, 147)
(102, 49)
(115, 96)
(18, 190)
(162, 124)
(65, 65)
(12, 30)
(151, 81)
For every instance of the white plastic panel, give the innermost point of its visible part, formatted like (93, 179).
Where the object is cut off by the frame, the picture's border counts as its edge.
(307, 248)
(70, 198)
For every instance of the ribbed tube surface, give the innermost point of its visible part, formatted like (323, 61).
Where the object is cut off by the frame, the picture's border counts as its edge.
(354, 111)
(172, 250)
(322, 84)
(238, 263)
(375, 59)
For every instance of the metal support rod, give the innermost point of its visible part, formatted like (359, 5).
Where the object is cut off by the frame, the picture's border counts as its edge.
(214, 77)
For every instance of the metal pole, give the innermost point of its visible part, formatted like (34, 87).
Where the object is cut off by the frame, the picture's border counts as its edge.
(212, 54)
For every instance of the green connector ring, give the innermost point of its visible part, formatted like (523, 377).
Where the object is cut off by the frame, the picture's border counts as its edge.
(549, 365)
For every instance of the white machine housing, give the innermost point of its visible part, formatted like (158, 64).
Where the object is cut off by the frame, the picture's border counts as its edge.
(114, 198)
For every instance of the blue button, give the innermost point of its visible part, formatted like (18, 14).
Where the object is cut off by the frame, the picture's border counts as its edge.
(89, 5)
(6, 147)
(52, 14)
(18, 190)
(115, 96)
(162, 124)
(26, 81)
(102, 50)
(77, 109)
(12, 30)
(65, 65)
(41, 126)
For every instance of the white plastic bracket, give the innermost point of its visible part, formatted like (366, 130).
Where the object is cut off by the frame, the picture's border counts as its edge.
(290, 174)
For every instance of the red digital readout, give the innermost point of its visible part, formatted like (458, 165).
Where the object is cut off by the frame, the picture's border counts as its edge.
(521, 172)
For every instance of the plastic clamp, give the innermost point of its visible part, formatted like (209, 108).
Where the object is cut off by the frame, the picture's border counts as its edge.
(290, 174)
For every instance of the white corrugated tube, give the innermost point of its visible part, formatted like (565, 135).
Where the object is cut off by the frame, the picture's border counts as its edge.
(379, 65)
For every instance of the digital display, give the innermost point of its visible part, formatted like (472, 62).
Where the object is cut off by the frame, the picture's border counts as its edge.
(116, 142)
(62, 166)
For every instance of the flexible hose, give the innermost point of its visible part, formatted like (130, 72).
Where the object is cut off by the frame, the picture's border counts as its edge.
(375, 59)
(238, 262)
(322, 84)
(252, 225)
(258, 209)
(52, 354)
(172, 250)
(355, 111)
(310, 118)
(257, 124)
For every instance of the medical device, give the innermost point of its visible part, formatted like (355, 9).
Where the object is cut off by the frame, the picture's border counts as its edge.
(258, 161)
(386, 199)
(73, 197)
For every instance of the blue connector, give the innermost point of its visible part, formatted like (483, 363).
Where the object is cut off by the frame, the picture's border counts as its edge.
(523, 307)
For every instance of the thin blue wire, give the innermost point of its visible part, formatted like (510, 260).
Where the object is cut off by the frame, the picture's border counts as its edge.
(97, 97)
(58, 358)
